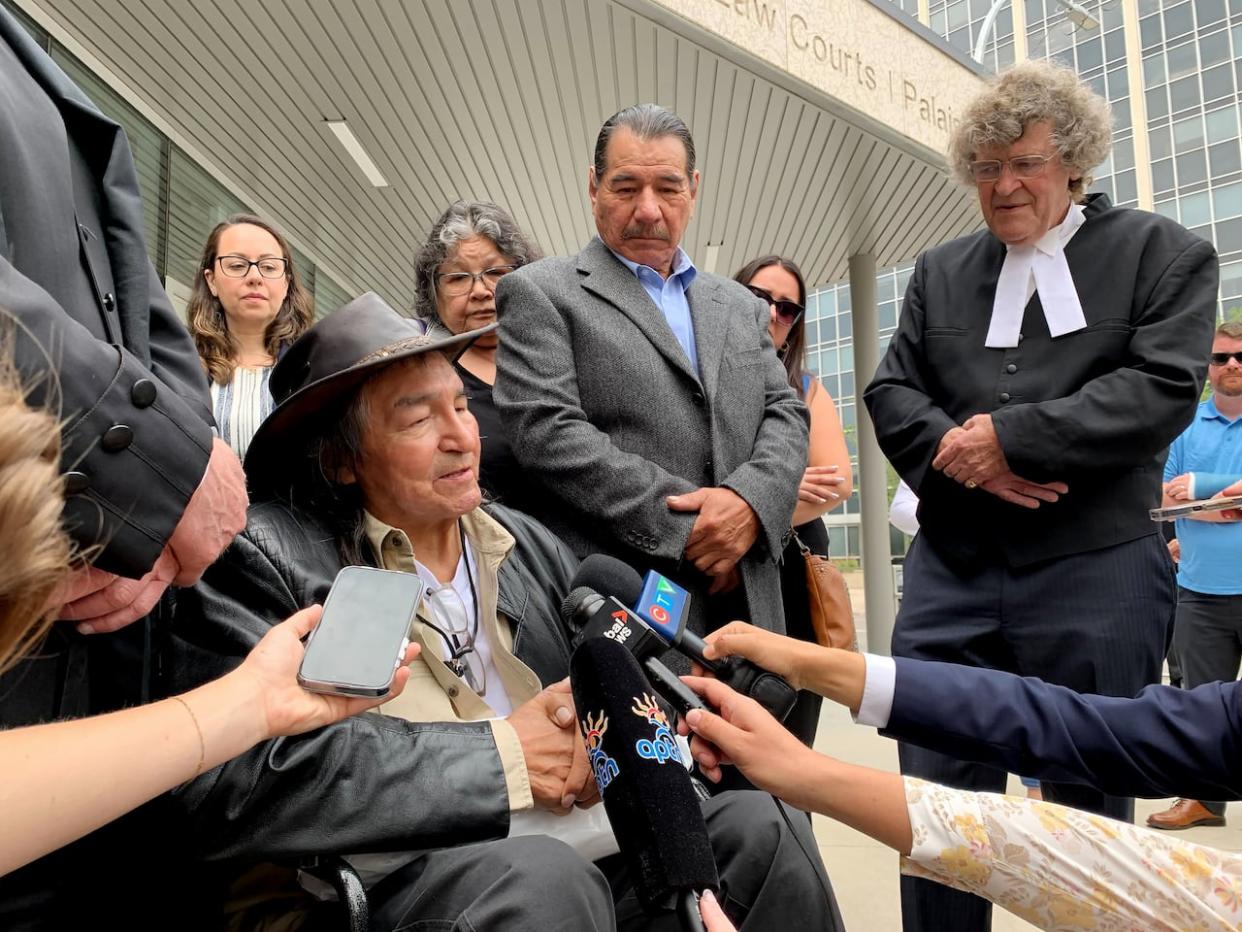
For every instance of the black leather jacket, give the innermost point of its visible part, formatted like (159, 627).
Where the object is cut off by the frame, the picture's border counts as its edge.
(372, 782)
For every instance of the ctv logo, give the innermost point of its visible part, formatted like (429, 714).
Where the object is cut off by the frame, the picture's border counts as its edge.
(665, 598)
(620, 631)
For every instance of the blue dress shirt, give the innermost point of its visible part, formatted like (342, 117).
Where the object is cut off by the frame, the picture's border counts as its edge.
(1211, 553)
(669, 295)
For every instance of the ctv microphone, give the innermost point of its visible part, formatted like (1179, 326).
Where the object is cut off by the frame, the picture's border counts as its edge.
(660, 621)
(647, 793)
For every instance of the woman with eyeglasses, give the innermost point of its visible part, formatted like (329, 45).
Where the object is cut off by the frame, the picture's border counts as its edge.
(246, 306)
(828, 479)
(468, 250)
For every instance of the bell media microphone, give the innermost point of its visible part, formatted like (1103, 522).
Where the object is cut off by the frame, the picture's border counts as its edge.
(659, 621)
(646, 789)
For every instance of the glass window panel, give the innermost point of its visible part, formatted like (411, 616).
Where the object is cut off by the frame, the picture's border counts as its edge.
(1178, 21)
(1183, 60)
(812, 332)
(1227, 200)
(1235, 7)
(1214, 49)
(1222, 124)
(1126, 187)
(936, 22)
(903, 278)
(1204, 233)
(1224, 158)
(1110, 15)
(888, 314)
(843, 298)
(958, 15)
(1004, 21)
(1237, 40)
(1150, 33)
(1146, 7)
(1121, 115)
(1162, 175)
(1123, 154)
(1154, 71)
(1097, 84)
(1196, 209)
(845, 324)
(1115, 46)
(830, 362)
(960, 38)
(1231, 279)
(197, 202)
(1228, 236)
(1192, 167)
(1188, 134)
(1103, 186)
(1037, 44)
(979, 8)
(827, 303)
(1209, 11)
(1118, 83)
(1160, 143)
(1218, 82)
(1090, 54)
(853, 533)
(1184, 94)
(1167, 209)
(1158, 102)
(827, 329)
(329, 296)
(885, 287)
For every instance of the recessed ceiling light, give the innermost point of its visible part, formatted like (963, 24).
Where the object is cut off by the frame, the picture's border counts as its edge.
(345, 135)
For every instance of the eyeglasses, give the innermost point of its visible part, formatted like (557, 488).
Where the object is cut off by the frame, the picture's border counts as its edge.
(787, 311)
(450, 621)
(456, 283)
(1220, 359)
(1022, 166)
(239, 266)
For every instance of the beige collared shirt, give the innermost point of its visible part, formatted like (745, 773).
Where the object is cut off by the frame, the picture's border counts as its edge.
(436, 694)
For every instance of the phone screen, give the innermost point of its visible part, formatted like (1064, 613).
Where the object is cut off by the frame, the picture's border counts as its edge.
(366, 616)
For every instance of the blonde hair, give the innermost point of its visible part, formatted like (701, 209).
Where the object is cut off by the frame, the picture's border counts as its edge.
(35, 551)
(208, 325)
(1035, 92)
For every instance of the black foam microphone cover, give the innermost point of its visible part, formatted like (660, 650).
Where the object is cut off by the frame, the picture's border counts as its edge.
(647, 793)
(609, 577)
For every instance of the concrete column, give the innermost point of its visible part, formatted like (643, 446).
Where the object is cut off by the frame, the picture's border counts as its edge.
(872, 477)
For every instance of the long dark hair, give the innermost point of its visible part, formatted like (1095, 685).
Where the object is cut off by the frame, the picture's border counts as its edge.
(793, 353)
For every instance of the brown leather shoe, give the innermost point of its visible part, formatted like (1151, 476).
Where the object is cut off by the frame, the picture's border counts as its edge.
(1183, 814)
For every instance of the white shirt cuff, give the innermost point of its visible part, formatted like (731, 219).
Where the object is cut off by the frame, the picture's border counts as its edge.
(878, 688)
(1190, 487)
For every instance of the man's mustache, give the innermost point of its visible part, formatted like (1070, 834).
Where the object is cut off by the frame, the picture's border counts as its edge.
(643, 232)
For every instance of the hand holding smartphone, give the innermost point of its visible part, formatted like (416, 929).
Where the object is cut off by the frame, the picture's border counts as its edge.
(357, 646)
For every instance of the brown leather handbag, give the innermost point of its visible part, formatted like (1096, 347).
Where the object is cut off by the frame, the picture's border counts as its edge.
(832, 616)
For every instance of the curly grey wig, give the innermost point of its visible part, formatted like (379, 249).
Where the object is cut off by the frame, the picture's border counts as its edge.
(462, 221)
(1035, 92)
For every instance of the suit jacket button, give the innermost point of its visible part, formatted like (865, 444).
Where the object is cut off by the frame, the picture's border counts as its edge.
(1011, 368)
(117, 438)
(143, 393)
(109, 302)
(1004, 397)
(76, 482)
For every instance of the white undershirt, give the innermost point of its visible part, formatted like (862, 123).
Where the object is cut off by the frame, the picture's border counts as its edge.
(1039, 267)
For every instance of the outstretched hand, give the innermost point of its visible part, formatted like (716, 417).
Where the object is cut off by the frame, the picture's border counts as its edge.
(271, 671)
(777, 654)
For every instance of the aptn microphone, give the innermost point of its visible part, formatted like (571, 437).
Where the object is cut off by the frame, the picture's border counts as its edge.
(646, 789)
(659, 622)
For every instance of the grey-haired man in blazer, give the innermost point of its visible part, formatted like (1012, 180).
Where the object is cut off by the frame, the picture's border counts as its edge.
(645, 396)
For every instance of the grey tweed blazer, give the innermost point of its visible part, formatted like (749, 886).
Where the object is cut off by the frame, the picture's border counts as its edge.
(606, 413)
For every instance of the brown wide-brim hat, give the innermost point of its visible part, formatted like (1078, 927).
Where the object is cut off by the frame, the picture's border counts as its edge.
(319, 373)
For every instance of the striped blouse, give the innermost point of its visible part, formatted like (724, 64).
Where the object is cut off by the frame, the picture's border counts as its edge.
(241, 405)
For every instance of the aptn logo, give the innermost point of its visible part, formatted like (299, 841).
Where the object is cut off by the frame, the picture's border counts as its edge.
(661, 747)
(593, 734)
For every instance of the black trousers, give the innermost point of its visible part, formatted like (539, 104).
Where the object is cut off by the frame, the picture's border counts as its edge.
(1208, 641)
(1096, 622)
(770, 870)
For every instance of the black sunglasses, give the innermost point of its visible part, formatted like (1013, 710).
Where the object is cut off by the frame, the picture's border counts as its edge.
(787, 311)
(1219, 359)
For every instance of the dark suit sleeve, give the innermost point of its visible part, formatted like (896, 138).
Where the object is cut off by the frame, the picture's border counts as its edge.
(1135, 411)
(174, 360)
(537, 388)
(1164, 742)
(369, 783)
(134, 494)
(908, 424)
(769, 479)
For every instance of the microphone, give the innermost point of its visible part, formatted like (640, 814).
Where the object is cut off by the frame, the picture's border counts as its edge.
(660, 621)
(647, 793)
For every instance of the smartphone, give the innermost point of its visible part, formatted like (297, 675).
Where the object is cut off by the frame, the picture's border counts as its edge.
(1190, 508)
(354, 649)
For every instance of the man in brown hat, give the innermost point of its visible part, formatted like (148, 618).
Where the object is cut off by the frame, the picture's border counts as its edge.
(371, 457)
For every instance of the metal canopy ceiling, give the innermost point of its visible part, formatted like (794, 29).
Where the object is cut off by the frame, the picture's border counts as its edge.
(500, 100)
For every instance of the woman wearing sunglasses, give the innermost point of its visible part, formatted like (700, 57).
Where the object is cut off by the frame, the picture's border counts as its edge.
(828, 479)
(247, 305)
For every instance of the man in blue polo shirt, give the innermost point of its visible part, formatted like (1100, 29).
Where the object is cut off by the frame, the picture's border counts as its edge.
(1206, 458)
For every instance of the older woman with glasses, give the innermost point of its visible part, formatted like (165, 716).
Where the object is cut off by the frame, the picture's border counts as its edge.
(828, 479)
(247, 305)
(468, 250)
